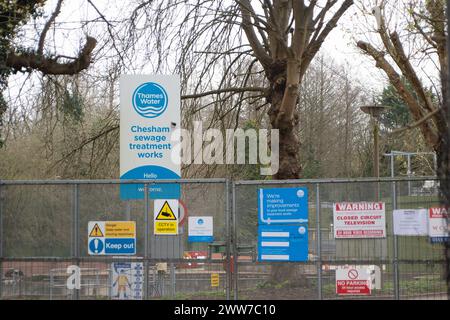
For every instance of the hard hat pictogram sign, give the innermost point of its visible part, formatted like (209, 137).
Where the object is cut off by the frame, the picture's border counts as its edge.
(166, 213)
(96, 231)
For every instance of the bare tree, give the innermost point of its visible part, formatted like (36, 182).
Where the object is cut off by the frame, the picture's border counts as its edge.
(14, 14)
(423, 35)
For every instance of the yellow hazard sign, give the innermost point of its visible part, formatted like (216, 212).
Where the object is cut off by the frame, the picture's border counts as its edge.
(215, 279)
(166, 212)
(96, 231)
(120, 229)
(165, 217)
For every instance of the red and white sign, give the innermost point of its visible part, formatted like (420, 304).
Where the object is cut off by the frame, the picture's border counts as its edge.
(353, 280)
(437, 223)
(359, 220)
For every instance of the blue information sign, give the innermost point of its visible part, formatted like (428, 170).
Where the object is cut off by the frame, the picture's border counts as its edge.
(283, 205)
(283, 243)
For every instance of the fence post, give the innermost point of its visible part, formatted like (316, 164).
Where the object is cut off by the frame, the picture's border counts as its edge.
(1, 242)
(146, 224)
(228, 277)
(234, 247)
(173, 280)
(76, 235)
(319, 244)
(394, 206)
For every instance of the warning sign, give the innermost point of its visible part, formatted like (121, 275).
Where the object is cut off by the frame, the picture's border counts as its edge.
(166, 212)
(96, 231)
(215, 279)
(165, 217)
(359, 220)
(438, 228)
(353, 280)
(112, 237)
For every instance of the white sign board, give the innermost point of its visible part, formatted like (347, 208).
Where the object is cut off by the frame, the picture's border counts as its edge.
(438, 229)
(149, 114)
(200, 229)
(410, 222)
(359, 220)
(127, 280)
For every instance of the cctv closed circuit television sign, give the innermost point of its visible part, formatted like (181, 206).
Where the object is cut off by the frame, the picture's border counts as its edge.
(165, 220)
(112, 237)
(438, 228)
(149, 118)
(354, 220)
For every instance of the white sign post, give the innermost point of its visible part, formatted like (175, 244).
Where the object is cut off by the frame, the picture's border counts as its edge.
(410, 222)
(200, 229)
(359, 220)
(149, 115)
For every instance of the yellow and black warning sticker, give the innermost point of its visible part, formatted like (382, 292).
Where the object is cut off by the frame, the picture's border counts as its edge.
(96, 231)
(166, 213)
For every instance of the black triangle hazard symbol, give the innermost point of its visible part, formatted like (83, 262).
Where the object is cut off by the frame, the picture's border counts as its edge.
(96, 231)
(166, 213)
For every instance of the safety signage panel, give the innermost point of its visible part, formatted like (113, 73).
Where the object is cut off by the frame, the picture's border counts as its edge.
(149, 134)
(127, 280)
(359, 220)
(215, 280)
(283, 205)
(283, 242)
(200, 229)
(112, 237)
(353, 280)
(410, 222)
(438, 228)
(165, 217)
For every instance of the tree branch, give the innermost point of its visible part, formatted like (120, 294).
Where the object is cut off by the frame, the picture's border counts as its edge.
(234, 90)
(47, 25)
(32, 60)
(260, 53)
(428, 131)
(315, 45)
(415, 124)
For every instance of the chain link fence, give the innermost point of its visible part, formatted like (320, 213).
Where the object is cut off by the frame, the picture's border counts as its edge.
(44, 231)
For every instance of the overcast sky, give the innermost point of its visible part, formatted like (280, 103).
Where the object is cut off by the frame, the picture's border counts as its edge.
(340, 44)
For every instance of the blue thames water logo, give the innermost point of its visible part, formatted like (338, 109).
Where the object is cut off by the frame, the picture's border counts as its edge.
(150, 100)
(200, 221)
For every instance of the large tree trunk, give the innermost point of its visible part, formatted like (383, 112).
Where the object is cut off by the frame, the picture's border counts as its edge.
(289, 148)
(285, 41)
(289, 144)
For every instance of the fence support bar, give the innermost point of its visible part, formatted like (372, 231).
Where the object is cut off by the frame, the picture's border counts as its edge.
(394, 206)
(146, 224)
(235, 272)
(319, 244)
(228, 277)
(76, 235)
(2, 199)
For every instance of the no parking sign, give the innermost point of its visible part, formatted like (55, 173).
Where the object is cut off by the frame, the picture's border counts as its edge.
(353, 280)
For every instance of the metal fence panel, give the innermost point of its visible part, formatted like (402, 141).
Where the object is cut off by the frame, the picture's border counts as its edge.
(44, 230)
